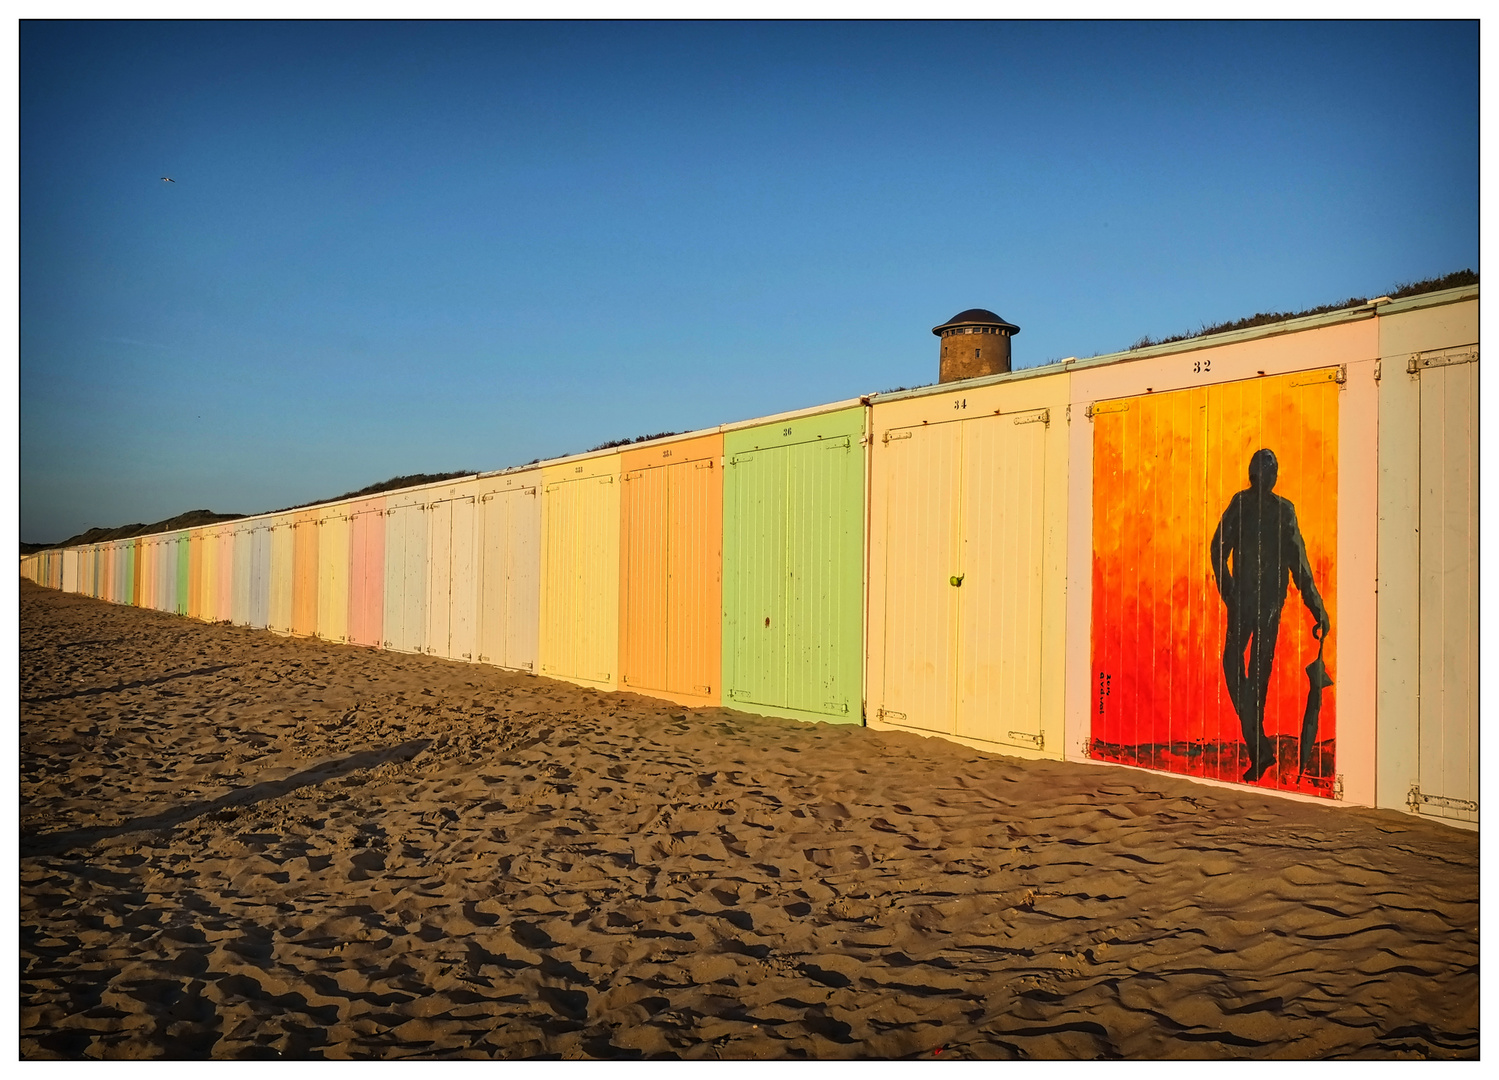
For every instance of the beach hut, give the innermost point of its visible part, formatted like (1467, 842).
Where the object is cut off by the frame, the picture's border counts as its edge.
(239, 598)
(333, 573)
(1205, 475)
(967, 562)
(366, 616)
(793, 559)
(405, 614)
(580, 570)
(1428, 555)
(304, 589)
(671, 569)
(224, 539)
(260, 573)
(283, 571)
(452, 583)
(508, 615)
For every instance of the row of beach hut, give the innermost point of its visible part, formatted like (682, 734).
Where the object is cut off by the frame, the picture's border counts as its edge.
(1023, 563)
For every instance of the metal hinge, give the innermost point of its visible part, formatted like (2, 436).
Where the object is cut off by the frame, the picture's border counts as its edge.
(703, 689)
(836, 706)
(1337, 786)
(1419, 362)
(1378, 368)
(1416, 799)
(890, 715)
(1038, 741)
(483, 659)
(1041, 416)
(1099, 408)
(891, 436)
(739, 695)
(1338, 374)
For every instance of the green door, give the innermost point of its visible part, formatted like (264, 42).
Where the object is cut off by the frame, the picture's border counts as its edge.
(793, 568)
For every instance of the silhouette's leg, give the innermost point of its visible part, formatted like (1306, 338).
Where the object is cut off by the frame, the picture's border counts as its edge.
(1234, 676)
(1261, 660)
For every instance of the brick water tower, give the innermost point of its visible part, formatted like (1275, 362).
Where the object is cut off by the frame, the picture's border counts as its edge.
(974, 342)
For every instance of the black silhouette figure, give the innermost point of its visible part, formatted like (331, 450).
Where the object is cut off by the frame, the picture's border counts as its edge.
(1259, 532)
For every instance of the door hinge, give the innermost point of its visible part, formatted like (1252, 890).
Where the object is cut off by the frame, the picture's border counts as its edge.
(1417, 799)
(1419, 362)
(1041, 416)
(1378, 367)
(891, 436)
(1100, 408)
(1337, 786)
(1338, 374)
(836, 706)
(483, 659)
(1038, 741)
(890, 715)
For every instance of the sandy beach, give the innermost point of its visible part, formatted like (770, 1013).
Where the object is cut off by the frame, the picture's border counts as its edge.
(238, 845)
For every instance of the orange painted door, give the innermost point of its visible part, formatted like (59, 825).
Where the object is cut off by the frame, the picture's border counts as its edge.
(1186, 678)
(671, 562)
(367, 572)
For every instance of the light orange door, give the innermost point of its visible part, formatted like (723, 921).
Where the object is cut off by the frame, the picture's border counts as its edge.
(671, 563)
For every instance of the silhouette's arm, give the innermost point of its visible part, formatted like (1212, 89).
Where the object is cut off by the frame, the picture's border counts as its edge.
(1225, 540)
(1301, 572)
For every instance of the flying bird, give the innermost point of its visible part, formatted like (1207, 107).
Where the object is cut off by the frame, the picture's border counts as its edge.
(168, 179)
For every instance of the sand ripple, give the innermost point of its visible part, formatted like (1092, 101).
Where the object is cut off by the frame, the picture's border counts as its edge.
(238, 845)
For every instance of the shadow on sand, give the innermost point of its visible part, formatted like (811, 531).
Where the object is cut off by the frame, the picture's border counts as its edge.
(55, 843)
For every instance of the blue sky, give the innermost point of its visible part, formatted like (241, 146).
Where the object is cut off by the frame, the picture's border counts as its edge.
(396, 248)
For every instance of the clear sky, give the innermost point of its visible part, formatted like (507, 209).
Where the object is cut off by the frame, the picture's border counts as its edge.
(395, 248)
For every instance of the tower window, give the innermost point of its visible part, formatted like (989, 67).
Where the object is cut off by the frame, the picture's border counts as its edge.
(975, 354)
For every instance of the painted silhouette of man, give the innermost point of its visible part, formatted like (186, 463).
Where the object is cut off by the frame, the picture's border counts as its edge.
(1259, 532)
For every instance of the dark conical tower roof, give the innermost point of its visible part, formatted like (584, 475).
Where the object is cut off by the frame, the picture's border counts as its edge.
(976, 316)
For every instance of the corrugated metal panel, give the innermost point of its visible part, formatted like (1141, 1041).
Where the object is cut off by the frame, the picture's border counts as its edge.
(367, 572)
(304, 594)
(333, 574)
(1170, 480)
(451, 582)
(260, 575)
(283, 574)
(671, 559)
(405, 574)
(509, 615)
(793, 551)
(1449, 672)
(580, 571)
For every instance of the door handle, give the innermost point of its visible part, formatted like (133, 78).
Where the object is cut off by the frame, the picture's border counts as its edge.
(956, 581)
